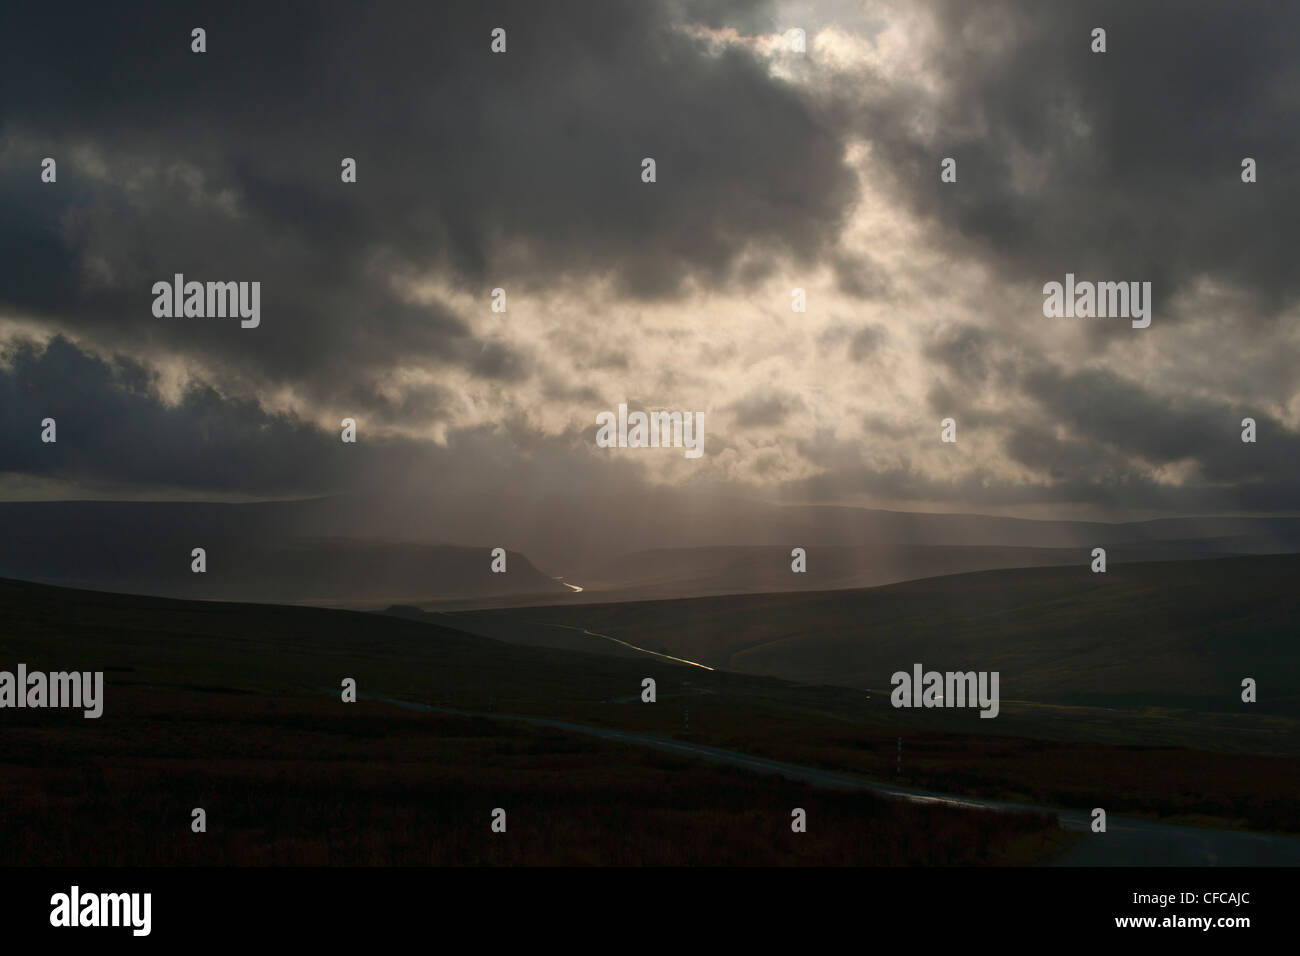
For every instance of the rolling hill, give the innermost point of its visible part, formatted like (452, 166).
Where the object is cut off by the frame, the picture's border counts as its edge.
(236, 707)
(257, 552)
(368, 553)
(1184, 632)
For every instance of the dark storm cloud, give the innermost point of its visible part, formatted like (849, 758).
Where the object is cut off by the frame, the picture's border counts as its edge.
(1093, 476)
(1039, 448)
(423, 403)
(517, 171)
(111, 426)
(328, 316)
(114, 429)
(859, 277)
(953, 399)
(1122, 165)
(1103, 411)
(523, 171)
(963, 350)
(765, 409)
(1093, 437)
(459, 151)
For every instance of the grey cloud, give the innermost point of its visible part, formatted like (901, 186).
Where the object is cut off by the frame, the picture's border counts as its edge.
(963, 350)
(523, 171)
(862, 340)
(1123, 165)
(764, 409)
(1108, 411)
(226, 166)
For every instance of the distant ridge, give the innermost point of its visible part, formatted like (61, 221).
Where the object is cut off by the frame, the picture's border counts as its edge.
(361, 552)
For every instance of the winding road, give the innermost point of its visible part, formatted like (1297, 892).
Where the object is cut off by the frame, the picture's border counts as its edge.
(1126, 842)
(643, 650)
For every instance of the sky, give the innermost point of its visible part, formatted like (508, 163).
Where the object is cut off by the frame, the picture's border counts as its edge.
(775, 170)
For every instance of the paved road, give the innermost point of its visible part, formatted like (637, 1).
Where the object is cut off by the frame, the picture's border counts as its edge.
(1126, 842)
(667, 657)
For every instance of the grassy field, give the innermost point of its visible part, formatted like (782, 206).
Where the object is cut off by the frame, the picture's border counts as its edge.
(1168, 634)
(289, 781)
(269, 675)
